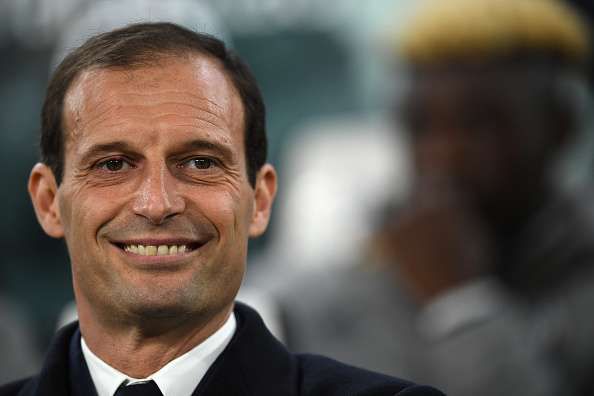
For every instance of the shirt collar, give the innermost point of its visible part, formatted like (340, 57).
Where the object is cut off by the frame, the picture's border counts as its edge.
(178, 377)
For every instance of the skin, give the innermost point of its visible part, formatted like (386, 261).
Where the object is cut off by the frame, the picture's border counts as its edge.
(482, 156)
(490, 142)
(153, 156)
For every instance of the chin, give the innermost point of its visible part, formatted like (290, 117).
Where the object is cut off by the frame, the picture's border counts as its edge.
(159, 311)
(161, 303)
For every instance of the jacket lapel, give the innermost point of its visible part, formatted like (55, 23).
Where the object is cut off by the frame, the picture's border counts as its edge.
(65, 371)
(81, 383)
(254, 363)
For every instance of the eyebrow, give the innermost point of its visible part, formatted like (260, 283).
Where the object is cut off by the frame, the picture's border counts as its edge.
(97, 149)
(125, 147)
(200, 144)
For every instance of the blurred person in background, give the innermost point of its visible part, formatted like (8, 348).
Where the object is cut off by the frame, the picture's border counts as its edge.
(19, 356)
(491, 264)
(154, 173)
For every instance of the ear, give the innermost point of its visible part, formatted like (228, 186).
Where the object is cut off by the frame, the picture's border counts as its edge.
(43, 190)
(265, 191)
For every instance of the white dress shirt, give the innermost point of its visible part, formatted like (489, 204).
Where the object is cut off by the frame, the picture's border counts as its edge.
(179, 377)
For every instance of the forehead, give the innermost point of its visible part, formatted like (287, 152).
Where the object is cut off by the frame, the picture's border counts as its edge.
(194, 86)
(487, 103)
(510, 85)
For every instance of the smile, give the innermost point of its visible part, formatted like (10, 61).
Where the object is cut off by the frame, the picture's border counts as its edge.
(154, 250)
(158, 248)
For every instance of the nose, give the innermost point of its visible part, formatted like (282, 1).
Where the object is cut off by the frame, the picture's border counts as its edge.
(158, 198)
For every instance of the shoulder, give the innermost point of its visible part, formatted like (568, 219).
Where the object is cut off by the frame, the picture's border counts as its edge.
(13, 388)
(319, 375)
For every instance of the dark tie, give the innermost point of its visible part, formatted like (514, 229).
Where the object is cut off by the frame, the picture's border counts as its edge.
(148, 388)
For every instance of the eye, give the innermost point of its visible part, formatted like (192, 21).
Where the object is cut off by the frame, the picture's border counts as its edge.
(200, 163)
(114, 165)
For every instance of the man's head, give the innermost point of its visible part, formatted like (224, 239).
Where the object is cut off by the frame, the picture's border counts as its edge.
(144, 45)
(153, 171)
(490, 104)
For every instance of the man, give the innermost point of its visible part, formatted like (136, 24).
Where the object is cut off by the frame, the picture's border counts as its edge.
(490, 258)
(153, 171)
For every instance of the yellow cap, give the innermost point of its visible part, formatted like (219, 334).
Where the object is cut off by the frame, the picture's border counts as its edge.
(445, 30)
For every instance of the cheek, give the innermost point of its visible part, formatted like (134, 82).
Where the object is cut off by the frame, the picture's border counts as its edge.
(84, 212)
(228, 211)
(228, 214)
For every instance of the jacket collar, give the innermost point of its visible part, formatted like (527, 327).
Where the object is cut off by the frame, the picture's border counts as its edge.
(63, 363)
(254, 363)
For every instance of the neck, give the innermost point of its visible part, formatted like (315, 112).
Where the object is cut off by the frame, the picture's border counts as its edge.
(141, 349)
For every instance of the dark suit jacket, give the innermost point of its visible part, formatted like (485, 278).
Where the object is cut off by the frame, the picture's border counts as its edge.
(254, 363)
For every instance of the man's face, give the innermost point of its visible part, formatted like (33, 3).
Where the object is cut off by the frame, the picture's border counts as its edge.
(155, 203)
(480, 133)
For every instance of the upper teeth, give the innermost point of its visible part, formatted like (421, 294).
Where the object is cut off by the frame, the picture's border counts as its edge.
(154, 250)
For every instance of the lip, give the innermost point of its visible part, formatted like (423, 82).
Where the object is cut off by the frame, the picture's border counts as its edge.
(158, 241)
(165, 262)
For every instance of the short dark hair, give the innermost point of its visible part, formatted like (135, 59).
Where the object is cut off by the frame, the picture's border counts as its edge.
(145, 44)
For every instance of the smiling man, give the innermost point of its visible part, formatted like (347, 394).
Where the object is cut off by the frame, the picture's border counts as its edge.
(154, 172)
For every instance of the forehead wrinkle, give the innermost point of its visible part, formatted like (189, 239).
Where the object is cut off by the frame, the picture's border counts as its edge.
(202, 117)
(197, 122)
(194, 96)
(193, 120)
(209, 75)
(212, 114)
(93, 118)
(234, 100)
(76, 102)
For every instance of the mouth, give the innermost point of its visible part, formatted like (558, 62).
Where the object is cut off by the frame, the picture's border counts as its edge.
(158, 247)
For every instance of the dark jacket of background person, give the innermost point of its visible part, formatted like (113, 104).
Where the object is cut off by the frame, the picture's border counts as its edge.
(487, 268)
